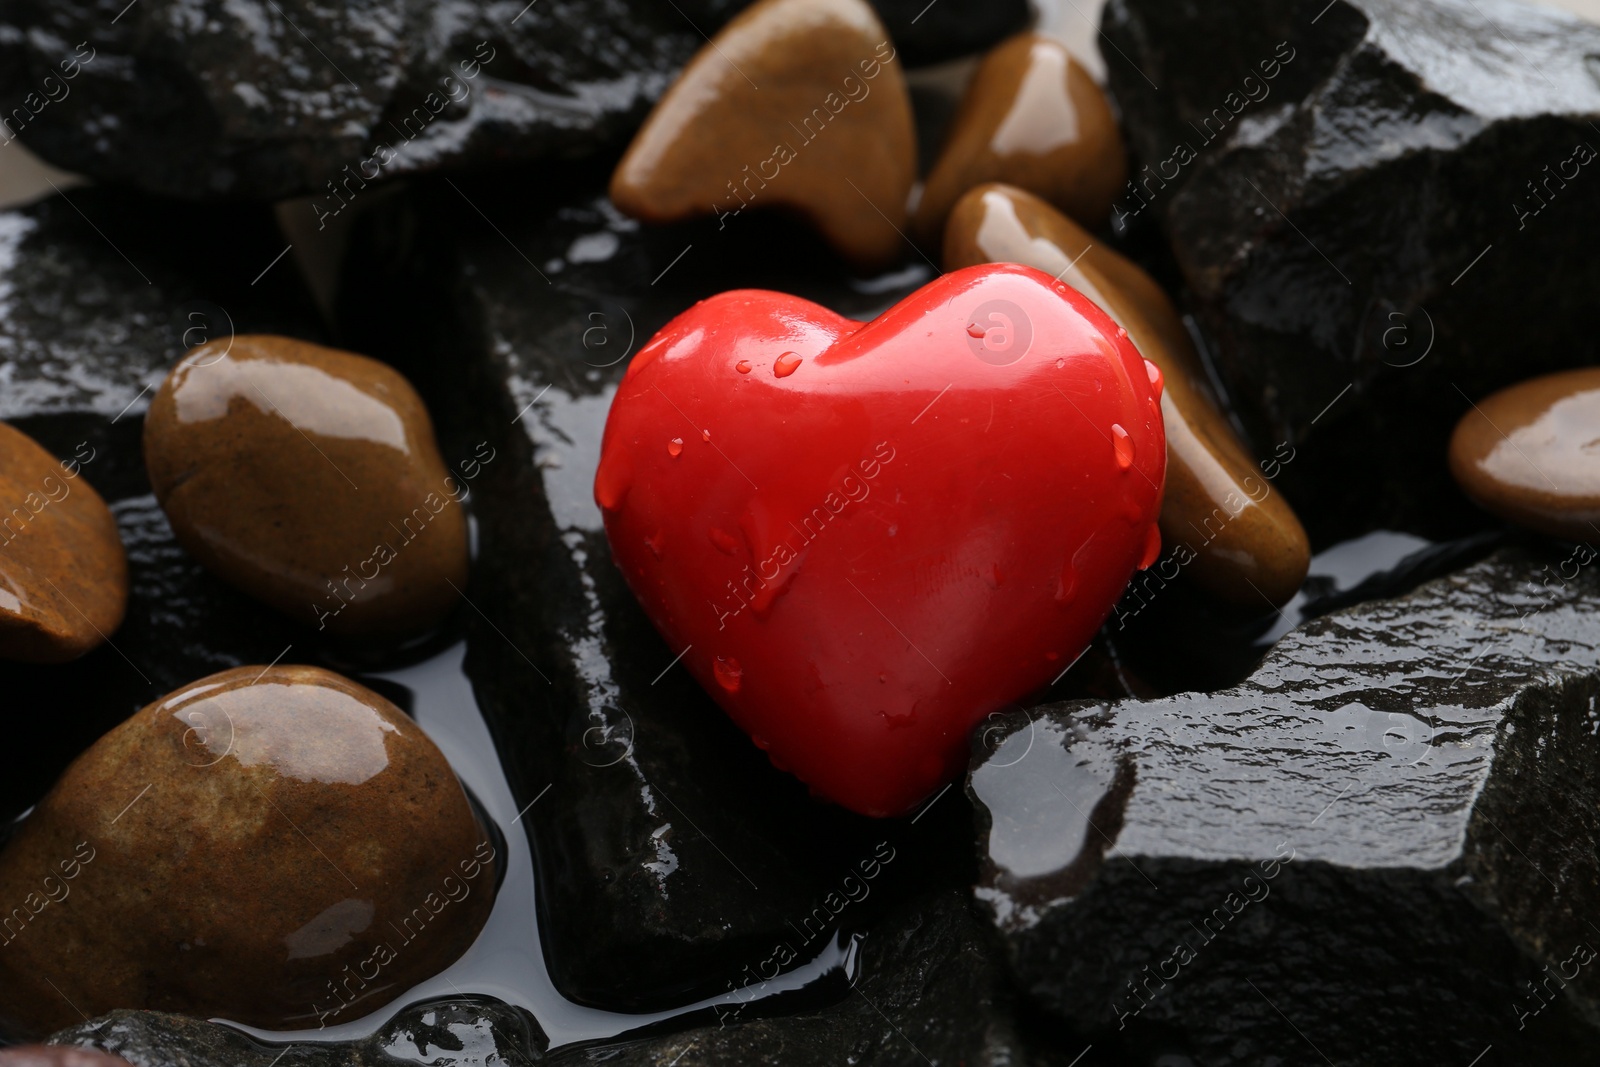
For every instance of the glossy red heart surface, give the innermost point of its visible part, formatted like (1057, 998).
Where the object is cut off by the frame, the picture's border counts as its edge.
(864, 538)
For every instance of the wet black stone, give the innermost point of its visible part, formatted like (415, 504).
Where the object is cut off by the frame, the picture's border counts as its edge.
(86, 336)
(928, 33)
(1330, 229)
(457, 1033)
(671, 855)
(266, 100)
(1369, 847)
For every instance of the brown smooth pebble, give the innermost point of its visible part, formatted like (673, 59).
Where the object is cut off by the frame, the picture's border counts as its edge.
(58, 1056)
(1531, 453)
(277, 846)
(1032, 117)
(1244, 540)
(796, 103)
(310, 478)
(63, 573)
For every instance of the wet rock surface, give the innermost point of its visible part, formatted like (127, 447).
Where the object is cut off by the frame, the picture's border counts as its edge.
(1366, 202)
(455, 1033)
(800, 104)
(264, 100)
(98, 306)
(1531, 453)
(671, 855)
(309, 477)
(928, 33)
(63, 573)
(1032, 117)
(276, 845)
(1389, 822)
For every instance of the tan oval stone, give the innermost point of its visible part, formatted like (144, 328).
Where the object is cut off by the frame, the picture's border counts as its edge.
(58, 1056)
(310, 478)
(1031, 117)
(795, 103)
(1246, 541)
(277, 846)
(1531, 453)
(63, 572)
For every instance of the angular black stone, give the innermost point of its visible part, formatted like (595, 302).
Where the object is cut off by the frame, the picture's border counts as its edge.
(671, 855)
(265, 100)
(1378, 198)
(1365, 852)
(928, 33)
(99, 297)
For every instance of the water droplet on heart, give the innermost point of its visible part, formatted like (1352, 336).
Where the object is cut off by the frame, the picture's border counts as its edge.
(786, 364)
(975, 330)
(1152, 546)
(995, 577)
(899, 720)
(728, 675)
(1156, 380)
(743, 366)
(725, 542)
(1067, 583)
(1052, 656)
(760, 742)
(705, 435)
(611, 484)
(675, 447)
(653, 543)
(1121, 333)
(1122, 445)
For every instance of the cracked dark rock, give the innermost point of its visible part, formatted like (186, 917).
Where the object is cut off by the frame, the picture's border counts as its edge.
(1382, 844)
(1347, 187)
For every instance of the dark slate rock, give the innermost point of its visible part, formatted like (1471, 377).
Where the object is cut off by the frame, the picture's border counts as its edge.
(1330, 221)
(1383, 847)
(926, 32)
(265, 100)
(99, 296)
(455, 1033)
(671, 855)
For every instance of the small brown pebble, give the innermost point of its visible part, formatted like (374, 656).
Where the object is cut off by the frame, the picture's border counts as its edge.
(795, 103)
(63, 573)
(1244, 543)
(277, 846)
(310, 478)
(1531, 453)
(58, 1056)
(1032, 117)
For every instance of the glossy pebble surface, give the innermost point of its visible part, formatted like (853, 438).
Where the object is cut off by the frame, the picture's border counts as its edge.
(58, 1056)
(1031, 117)
(1223, 519)
(310, 478)
(274, 845)
(63, 572)
(1531, 453)
(795, 103)
(893, 528)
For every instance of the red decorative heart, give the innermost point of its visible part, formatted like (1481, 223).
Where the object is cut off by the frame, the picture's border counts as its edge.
(870, 536)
